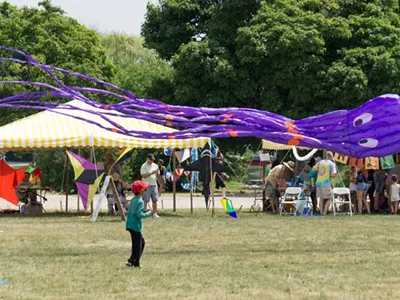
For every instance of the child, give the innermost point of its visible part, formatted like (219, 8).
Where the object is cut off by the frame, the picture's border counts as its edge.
(394, 195)
(134, 218)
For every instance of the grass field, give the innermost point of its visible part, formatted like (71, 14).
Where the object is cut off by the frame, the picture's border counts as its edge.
(196, 257)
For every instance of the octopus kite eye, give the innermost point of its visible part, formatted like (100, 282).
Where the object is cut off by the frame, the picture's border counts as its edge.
(368, 143)
(362, 119)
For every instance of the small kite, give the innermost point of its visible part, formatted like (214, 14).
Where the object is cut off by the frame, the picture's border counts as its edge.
(228, 208)
(4, 281)
(87, 177)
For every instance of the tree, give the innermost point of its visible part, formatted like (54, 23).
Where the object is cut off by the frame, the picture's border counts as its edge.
(293, 57)
(138, 69)
(55, 39)
(52, 38)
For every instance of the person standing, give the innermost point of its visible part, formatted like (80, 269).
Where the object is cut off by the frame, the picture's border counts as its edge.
(394, 195)
(326, 172)
(136, 213)
(379, 180)
(161, 177)
(278, 175)
(371, 189)
(362, 188)
(149, 172)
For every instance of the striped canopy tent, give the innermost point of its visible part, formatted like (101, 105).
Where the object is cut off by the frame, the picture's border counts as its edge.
(49, 129)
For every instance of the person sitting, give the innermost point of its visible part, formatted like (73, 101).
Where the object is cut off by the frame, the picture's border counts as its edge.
(278, 175)
(24, 195)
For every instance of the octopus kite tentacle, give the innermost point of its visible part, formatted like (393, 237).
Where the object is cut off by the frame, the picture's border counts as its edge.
(369, 130)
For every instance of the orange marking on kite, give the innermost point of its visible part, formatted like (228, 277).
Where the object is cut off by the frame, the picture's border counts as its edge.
(228, 116)
(229, 129)
(126, 98)
(106, 107)
(234, 134)
(292, 130)
(114, 130)
(169, 124)
(163, 105)
(292, 142)
(298, 137)
(224, 121)
(181, 113)
(118, 125)
(289, 124)
(170, 137)
(169, 117)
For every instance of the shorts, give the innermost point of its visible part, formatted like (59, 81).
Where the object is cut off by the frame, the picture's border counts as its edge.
(362, 186)
(272, 191)
(220, 184)
(151, 193)
(324, 192)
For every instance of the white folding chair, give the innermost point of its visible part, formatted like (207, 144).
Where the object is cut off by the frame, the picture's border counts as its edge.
(341, 196)
(291, 197)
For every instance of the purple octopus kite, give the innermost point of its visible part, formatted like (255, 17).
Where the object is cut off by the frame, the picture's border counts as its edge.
(369, 130)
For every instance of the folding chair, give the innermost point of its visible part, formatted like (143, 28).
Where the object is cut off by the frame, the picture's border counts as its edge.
(291, 197)
(341, 196)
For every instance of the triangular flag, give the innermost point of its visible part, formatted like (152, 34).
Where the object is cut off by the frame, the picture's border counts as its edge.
(179, 172)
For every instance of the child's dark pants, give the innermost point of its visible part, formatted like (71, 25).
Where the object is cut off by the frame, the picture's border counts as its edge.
(137, 247)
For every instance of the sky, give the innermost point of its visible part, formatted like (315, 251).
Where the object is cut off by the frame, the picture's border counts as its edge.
(103, 15)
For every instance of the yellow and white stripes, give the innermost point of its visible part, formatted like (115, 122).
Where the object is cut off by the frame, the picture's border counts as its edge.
(49, 129)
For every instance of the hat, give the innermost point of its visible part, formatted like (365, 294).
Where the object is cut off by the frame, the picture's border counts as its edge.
(289, 165)
(151, 157)
(139, 186)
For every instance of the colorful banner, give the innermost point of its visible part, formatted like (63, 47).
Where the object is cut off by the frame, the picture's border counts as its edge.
(387, 162)
(372, 163)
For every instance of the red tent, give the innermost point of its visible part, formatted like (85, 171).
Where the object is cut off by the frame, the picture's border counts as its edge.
(9, 178)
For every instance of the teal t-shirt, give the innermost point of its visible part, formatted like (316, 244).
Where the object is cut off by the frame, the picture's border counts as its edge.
(135, 214)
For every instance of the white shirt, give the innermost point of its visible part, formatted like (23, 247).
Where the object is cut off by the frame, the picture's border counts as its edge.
(394, 192)
(147, 169)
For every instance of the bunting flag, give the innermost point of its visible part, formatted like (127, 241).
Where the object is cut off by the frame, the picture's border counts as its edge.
(369, 163)
(372, 163)
(36, 175)
(356, 163)
(179, 172)
(387, 162)
(186, 173)
(228, 208)
(343, 159)
(182, 155)
(87, 177)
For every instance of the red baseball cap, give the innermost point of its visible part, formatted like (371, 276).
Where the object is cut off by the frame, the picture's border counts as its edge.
(139, 186)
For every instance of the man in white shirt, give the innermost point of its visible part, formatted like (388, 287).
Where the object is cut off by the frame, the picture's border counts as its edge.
(149, 172)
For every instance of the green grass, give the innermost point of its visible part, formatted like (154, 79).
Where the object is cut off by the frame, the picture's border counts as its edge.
(197, 257)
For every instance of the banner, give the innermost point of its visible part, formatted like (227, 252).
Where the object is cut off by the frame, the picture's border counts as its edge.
(372, 163)
(343, 159)
(387, 162)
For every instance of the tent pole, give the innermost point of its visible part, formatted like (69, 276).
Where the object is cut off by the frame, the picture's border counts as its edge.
(212, 187)
(264, 181)
(174, 180)
(91, 159)
(78, 198)
(66, 184)
(191, 192)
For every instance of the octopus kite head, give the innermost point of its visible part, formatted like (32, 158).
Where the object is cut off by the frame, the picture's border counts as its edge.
(375, 124)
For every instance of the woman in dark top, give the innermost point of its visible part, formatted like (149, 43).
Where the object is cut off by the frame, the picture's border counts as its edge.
(371, 189)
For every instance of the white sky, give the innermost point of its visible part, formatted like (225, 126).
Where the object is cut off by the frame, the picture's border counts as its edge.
(103, 15)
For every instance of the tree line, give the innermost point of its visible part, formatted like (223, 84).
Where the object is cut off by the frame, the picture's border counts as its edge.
(293, 57)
